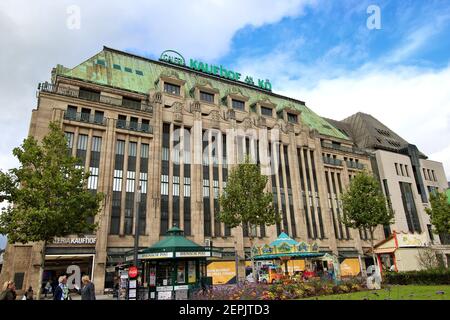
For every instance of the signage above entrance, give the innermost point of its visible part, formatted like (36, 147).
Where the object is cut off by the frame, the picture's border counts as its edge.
(173, 57)
(85, 240)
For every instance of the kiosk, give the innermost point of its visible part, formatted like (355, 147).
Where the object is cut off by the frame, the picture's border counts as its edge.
(175, 266)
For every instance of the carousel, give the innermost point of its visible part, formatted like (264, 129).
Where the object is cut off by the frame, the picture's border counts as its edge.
(284, 249)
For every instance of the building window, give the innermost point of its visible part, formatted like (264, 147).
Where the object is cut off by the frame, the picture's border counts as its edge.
(98, 117)
(266, 111)
(172, 88)
(128, 70)
(409, 206)
(238, 104)
(69, 138)
(131, 103)
(117, 67)
(292, 118)
(71, 112)
(85, 114)
(89, 94)
(406, 170)
(207, 97)
(139, 73)
(396, 169)
(122, 121)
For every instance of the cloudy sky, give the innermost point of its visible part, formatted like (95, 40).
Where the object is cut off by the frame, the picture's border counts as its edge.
(321, 52)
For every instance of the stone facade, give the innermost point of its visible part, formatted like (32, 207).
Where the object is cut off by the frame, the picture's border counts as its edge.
(100, 117)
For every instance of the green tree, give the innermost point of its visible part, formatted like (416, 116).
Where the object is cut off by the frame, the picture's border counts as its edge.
(244, 201)
(365, 206)
(439, 212)
(46, 195)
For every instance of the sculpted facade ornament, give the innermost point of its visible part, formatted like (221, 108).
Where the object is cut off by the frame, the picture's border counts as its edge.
(196, 107)
(157, 98)
(231, 114)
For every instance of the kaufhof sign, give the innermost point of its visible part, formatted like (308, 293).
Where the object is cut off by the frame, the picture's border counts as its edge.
(75, 241)
(173, 57)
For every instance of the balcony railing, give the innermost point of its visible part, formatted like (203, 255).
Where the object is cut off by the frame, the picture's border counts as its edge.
(85, 117)
(355, 165)
(134, 126)
(332, 161)
(89, 96)
(327, 145)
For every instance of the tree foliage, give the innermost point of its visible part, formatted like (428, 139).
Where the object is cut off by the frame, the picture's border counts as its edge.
(46, 194)
(364, 205)
(244, 201)
(439, 212)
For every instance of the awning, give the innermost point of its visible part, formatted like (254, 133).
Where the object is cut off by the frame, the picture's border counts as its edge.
(384, 250)
(292, 255)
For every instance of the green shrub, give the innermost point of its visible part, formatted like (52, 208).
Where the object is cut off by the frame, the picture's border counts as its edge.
(426, 277)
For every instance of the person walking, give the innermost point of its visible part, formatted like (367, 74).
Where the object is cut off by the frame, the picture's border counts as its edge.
(88, 290)
(28, 294)
(61, 291)
(48, 287)
(9, 291)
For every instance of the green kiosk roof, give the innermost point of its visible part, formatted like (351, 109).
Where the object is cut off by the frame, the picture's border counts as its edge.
(172, 241)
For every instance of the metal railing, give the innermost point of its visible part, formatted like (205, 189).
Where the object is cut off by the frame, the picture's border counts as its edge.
(84, 117)
(327, 145)
(332, 161)
(90, 96)
(355, 165)
(134, 126)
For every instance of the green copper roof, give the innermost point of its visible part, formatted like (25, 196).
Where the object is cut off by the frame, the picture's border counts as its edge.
(173, 240)
(112, 68)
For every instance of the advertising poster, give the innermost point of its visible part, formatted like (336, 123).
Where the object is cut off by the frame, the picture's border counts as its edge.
(191, 272)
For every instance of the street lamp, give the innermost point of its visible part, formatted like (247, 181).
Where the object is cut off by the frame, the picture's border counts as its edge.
(136, 226)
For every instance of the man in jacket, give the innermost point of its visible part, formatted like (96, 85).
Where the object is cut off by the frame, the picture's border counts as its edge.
(61, 291)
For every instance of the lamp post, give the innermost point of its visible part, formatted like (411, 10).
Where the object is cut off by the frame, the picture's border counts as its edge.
(136, 226)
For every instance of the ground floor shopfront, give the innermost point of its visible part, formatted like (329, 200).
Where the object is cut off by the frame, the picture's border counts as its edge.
(78, 259)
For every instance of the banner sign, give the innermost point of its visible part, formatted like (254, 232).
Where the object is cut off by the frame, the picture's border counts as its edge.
(173, 57)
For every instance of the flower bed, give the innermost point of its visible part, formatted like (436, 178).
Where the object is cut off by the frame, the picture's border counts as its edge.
(287, 290)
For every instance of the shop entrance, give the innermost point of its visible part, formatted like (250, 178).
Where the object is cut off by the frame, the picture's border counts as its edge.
(73, 266)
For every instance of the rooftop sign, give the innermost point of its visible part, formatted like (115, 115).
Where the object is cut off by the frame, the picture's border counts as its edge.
(173, 57)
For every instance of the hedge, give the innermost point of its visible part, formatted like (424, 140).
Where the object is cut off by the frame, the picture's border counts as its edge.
(427, 277)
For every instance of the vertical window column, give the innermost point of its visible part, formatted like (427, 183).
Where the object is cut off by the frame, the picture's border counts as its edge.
(216, 136)
(303, 189)
(317, 195)
(292, 228)
(275, 162)
(227, 231)
(176, 177)
(331, 205)
(206, 185)
(117, 187)
(165, 154)
(315, 234)
(143, 183)
(82, 149)
(130, 187)
(69, 138)
(187, 181)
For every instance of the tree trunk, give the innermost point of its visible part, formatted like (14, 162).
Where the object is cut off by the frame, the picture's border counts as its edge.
(377, 269)
(251, 256)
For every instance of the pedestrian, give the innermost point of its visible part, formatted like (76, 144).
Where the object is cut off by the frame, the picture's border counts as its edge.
(48, 287)
(116, 292)
(61, 291)
(28, 294)
(88, 290)
(9, 291)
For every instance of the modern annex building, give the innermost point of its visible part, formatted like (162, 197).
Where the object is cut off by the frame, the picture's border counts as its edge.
(165, 133)
(408, 178)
